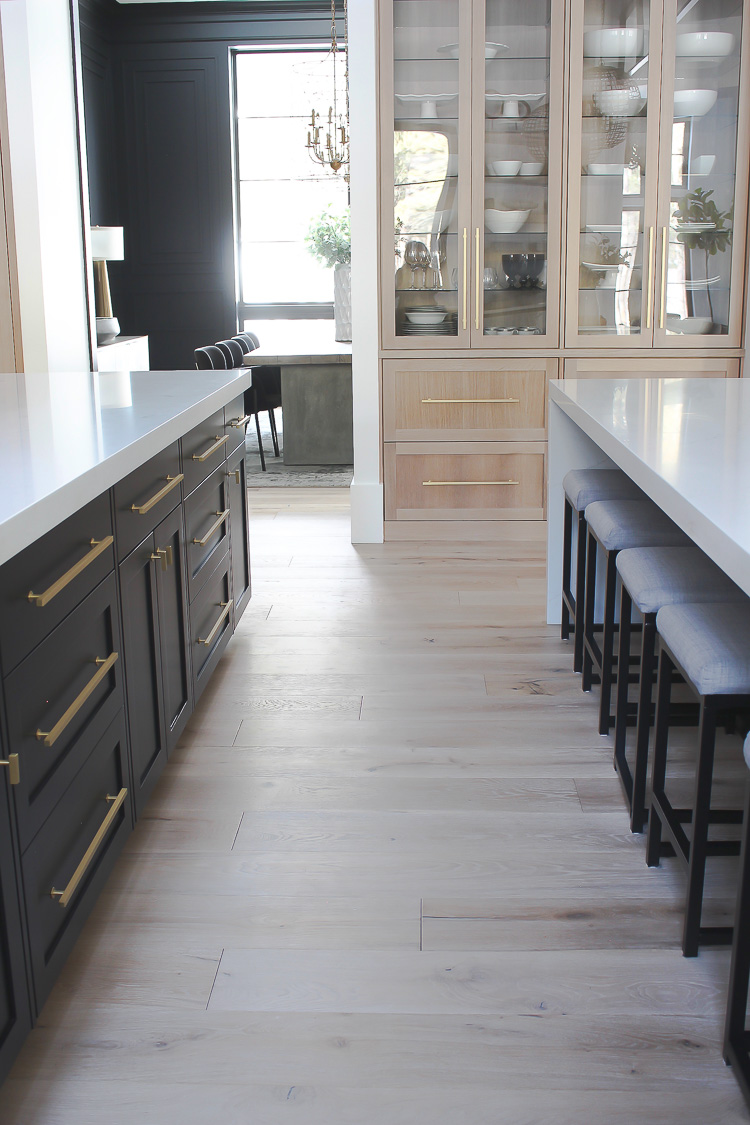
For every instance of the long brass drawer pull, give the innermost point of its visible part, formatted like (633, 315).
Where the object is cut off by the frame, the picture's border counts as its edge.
(98, 547)
(172, 482)
(49, 737)
(219, 441)
(212, 529)
(467, 483)
(14, 772)
(64, 897)
(225, 609)
(237, 474)
(237, 422)
(433, 401)
(164, 556)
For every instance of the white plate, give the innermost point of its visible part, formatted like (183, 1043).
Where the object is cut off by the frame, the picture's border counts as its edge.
(599, 266)
(603, 229)
(701, 283)
(693, 228)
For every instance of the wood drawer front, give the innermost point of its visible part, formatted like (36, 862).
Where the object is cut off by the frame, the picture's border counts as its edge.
(61, 845)
(66, 552)
(651, 367)
(210, 626)
(137, 509)
(203, 449)
(39, 693)
(234, 425)
(491, 402)
(458, 483)
(207, 533)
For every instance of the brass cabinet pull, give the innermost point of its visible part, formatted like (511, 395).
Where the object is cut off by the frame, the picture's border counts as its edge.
(164, 556)
(64, 897)
(225, 608)
(237, 474)
(172, 482)
(212, 529)
(98, 547)
(12, 763)
(49, 737)
(478, 285)
(428, 483)
(664, 252)
(650, 283)
(218, 442)
(433, 401)
(237, 422)
(466, 274)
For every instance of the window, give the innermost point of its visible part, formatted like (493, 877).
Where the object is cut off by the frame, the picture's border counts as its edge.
(279, 188)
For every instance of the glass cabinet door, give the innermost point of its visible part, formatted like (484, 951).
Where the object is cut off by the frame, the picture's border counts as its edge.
(427, 160)
(615, 86)
(702, 200)
(517, 122)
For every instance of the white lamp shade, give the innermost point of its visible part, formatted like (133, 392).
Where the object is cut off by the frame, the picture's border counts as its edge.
(107, 244)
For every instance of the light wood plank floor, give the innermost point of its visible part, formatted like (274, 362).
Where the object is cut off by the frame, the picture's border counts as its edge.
(386, 877)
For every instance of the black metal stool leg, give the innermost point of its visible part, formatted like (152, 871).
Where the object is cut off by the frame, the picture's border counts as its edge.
(580, 593)
(736, 1038)
(567, 558)
(638, 811)
(621, 705)
(659, 765)
(588, 624)
(274, 434)
(260, 440)
(698, 844)
(608, 638)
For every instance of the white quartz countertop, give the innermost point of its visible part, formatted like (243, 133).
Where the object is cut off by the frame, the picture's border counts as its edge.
(686, 443)
(66, 438)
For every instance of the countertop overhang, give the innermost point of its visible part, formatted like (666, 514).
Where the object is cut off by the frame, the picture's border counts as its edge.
(66, 438)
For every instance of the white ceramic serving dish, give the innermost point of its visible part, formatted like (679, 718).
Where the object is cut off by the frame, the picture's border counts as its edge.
(605, 169)
(619, 103)
(700, 44)
(690, 325)
(505, 167)
(491, 50)
(504, 222)
(612, 42)
(702, 165)
(693, 103)
(531, 168)
(424, 316)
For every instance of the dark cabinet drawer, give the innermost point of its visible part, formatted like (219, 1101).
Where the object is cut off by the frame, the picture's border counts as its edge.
(145, 497)
(239, 531)
(234, 424)
(203, 449)
(59, 702)
(206, 528)
(59, 570)
(210, 626)
(15, 1011)
(66, 865)
(173, 628)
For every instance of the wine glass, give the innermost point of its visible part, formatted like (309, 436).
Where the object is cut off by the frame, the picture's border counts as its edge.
(424, 261)
(411, 258)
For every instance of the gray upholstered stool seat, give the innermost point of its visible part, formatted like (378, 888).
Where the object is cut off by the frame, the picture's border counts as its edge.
(653, 577)
(618, 524)
(709, 645)
(581, 487)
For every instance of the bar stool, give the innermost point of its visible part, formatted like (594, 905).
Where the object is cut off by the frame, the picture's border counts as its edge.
(652, 577)
(582, 487)
(709, 645)
(615, 525)
(736, 1038)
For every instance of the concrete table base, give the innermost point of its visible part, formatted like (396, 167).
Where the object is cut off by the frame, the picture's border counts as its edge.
(317, 404)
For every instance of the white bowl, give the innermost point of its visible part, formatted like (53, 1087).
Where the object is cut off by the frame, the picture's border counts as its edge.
(693, 103)
(605, 169)
(504, 222)
(505, 167)
(698, 44)
(690, 325)
(531, 168)
(612, 42)
(424, 316)
(702, 165)
(491, 50)
(619, 103)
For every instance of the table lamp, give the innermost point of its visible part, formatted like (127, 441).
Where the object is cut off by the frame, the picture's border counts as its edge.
(106, 246)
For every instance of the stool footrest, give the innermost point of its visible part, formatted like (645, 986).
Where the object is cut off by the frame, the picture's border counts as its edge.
(716, 935)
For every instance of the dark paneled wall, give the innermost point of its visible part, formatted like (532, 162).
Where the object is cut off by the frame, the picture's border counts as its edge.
(159, 145)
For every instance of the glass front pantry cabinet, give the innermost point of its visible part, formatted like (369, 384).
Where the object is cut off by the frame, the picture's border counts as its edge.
(563, 186)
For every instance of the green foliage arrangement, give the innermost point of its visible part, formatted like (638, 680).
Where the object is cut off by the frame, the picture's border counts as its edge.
(698, 207)
(329, 239)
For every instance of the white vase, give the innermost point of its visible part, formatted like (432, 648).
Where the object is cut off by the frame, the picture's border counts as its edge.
(342, 302)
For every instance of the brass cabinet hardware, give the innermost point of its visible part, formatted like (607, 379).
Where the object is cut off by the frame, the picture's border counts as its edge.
(466, 275)
(477, 281)
(49, 737)
(650, 283)
(12, 763)
(64, 897)
(160, 556)
(225, 608)
(237, 422)
(218, 442)
(237, 474)
(427, 483)
(172, 482)
(213, 528)
(98, 546)
(170, 558)
(433, 401)
(664, 264)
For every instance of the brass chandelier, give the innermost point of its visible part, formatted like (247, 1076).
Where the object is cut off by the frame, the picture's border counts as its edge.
(328, 136)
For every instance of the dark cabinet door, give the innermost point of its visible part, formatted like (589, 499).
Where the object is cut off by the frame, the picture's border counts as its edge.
(171, 573)
(239, 531)
(140, 626)
(15, 1013)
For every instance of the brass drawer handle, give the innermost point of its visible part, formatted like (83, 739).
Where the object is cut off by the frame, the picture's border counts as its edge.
(164, 556)
(225, 608)
(432, 401)
(218, 442)
(49, 737)
(212, 529)
(64, 897)
(237, 422)
(466, 483)
(172, 482)
(12, 763)
(237, 474)
(98, 547)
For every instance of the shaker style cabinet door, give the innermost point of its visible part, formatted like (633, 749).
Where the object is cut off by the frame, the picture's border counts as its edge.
(15, 1014)
(239, 532)
(169, 541)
